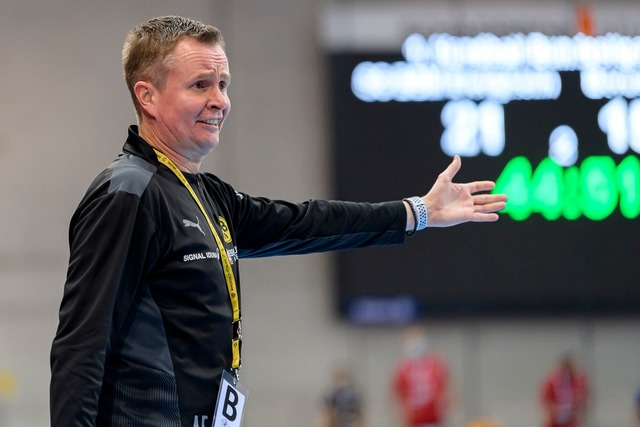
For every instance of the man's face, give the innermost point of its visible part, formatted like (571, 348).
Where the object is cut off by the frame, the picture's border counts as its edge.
(193, 104)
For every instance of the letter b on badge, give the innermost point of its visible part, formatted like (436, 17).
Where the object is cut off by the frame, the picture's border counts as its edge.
(230, 403)
(231, 399)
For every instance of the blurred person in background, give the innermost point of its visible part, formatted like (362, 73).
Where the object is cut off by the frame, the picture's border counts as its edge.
(564, 394)
(421, 383)
(343, 405)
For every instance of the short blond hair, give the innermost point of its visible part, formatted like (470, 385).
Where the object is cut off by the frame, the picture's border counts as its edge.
(148, 49)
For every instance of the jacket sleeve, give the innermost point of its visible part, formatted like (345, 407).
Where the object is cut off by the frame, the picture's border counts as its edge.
(106, 235)
(266, 227)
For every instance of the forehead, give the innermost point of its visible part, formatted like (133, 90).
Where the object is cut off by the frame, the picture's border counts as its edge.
(193, 56)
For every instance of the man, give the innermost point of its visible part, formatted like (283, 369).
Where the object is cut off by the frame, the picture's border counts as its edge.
(420, 385)
(150, 316)
(564, 395)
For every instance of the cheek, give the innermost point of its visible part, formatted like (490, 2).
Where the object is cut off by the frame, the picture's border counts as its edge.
(168, 112)
(172, 118)
(181, 116)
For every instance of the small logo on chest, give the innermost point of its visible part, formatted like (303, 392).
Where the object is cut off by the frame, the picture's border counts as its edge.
(196, 224)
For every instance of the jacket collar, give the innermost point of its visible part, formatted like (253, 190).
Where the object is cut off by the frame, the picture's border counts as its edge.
(137, 146)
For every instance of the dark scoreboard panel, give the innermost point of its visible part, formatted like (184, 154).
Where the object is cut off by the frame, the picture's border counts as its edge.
(569, 243)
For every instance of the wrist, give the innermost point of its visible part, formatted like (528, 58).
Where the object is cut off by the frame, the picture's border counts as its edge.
(418, 210)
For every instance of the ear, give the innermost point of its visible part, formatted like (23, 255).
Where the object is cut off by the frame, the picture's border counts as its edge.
(145, 93)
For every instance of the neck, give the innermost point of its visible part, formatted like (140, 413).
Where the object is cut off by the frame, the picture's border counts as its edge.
(184, 163)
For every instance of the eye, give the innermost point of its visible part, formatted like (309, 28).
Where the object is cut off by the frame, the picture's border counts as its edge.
(199, 84)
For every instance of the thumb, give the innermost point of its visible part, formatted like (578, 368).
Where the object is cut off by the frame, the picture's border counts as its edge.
(453, 168)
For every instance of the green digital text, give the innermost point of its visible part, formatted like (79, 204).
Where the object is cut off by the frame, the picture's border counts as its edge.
(594, 189)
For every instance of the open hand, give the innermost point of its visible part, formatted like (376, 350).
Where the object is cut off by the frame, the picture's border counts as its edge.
(449, 203)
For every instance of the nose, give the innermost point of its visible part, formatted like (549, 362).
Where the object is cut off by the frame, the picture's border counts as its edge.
(219, 100)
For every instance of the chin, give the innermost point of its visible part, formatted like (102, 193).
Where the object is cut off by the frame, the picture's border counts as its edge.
(207, 146)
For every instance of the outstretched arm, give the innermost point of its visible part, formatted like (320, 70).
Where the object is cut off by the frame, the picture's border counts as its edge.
(449, 203)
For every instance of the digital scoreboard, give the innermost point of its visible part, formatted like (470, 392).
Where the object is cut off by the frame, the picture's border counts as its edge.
(553, 120)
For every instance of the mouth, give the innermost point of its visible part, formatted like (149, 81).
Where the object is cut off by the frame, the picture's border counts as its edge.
(212, 122)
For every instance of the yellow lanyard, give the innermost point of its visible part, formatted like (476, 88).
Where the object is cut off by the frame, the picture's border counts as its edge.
(224, 258)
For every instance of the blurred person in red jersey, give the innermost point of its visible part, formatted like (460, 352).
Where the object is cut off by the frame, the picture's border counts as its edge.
(420, 382)
(564, 395)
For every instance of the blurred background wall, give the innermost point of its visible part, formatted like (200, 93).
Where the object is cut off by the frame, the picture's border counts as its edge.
(63, 117)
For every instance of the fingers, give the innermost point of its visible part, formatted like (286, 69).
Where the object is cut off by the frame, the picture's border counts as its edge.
(488, 203)
(477, 186)
(484, 217)
(486, 199)
(489, 208)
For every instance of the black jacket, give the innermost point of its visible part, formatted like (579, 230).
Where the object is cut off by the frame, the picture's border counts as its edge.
(145, 321)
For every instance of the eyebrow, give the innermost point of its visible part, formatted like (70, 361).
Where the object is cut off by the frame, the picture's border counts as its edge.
(207, 74)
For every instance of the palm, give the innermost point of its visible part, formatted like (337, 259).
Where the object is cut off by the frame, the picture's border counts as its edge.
(450, 203)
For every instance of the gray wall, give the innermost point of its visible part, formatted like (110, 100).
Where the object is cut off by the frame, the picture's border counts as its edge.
(63, 117)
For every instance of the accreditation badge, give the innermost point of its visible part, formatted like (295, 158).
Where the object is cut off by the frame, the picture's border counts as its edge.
(230, 403)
